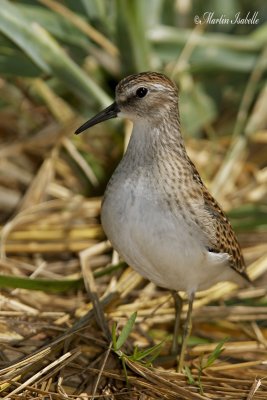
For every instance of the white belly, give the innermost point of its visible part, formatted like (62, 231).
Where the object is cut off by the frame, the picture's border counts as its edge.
(159, 245)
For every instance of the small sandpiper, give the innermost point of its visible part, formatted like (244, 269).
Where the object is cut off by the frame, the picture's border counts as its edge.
(156, 211)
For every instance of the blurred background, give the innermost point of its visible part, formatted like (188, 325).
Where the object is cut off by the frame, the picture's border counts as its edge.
(60, 62)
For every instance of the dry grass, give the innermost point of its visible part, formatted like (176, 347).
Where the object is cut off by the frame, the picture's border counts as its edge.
(53, 341)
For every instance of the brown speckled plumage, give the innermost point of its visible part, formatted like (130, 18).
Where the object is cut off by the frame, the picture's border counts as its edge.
(226, 240)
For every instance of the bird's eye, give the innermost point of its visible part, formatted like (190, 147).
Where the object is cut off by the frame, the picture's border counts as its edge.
(141, 92)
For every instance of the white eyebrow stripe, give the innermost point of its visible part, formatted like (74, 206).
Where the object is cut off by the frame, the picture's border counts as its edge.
(159, 86)
(149, 86)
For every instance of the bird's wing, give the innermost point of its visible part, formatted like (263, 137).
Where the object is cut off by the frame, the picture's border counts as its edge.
(224, 240)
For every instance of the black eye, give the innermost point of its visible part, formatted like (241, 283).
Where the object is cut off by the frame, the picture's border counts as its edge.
(141, 92)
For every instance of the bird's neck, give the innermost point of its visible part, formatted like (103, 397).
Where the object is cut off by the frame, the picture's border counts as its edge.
(152, 141)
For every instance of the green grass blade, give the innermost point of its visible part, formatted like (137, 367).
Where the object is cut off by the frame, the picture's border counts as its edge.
(46, 285)
(55, 24)
(126, 331)
(168, 34)
(18, 65)
(216, 353)
(109, 270)
(51, 285)
(140, 355)
(43, 49)
(131, 32)
(189, 375)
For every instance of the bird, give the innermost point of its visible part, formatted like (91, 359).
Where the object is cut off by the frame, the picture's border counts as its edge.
(156, 211)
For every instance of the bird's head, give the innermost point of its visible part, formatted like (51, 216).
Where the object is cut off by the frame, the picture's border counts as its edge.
(145, 96)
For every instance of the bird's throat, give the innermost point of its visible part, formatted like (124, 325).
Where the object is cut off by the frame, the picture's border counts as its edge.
(151, 142)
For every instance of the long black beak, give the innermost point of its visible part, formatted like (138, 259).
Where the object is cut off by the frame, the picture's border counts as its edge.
(109, 112)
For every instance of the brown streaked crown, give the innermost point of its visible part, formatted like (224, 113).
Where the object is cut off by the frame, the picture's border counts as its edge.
(146, 77)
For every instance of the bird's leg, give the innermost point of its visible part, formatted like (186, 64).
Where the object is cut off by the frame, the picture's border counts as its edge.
(178, 304)
(186, 331)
